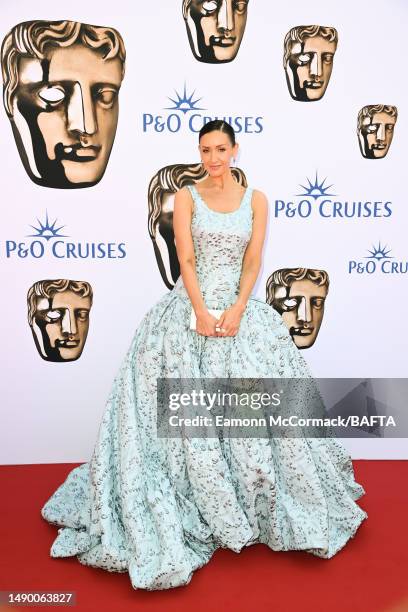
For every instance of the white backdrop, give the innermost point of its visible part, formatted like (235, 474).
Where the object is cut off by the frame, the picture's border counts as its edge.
(50, 412)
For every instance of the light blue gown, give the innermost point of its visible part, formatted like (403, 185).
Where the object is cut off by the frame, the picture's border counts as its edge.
(159, 508)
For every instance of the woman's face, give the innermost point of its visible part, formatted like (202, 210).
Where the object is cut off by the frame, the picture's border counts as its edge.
(216, 152)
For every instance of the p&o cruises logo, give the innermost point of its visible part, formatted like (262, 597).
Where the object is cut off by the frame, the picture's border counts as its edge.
(379, 260)
(187, 114)
(48, 239)
(317, 198)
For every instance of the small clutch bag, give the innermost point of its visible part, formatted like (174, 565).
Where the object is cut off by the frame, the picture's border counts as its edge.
(193, 319)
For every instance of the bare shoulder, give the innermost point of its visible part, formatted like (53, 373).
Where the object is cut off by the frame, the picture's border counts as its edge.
(259, 196)
(259, 200)
(183, 193)
(183, 198)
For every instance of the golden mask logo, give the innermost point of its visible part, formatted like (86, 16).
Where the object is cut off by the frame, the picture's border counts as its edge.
(215, 28)
(162, 189)
(299, 295)
(308, 60)
(375, 129)
(58, 314)
(61, 86)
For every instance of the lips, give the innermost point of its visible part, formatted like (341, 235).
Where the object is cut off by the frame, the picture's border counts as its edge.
(77, 152)
(313, 84)
(67, 343)
(222, 41)
(301, 331)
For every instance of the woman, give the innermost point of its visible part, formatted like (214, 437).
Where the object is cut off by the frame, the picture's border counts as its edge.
(159, 507)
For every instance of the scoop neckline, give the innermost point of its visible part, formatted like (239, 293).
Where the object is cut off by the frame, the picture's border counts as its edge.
(219, 212)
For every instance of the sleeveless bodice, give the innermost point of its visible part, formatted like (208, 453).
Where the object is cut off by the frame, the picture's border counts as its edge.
(220, 240)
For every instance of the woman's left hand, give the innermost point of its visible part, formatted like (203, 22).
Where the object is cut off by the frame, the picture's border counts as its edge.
(229, 321)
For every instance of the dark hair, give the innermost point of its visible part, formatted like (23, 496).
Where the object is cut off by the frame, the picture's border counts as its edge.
(221, 126)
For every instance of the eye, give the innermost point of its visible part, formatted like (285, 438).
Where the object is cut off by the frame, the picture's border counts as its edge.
(106, 96)
(209, 7)
(303, 58)
(241, 7)
(371, 128)
(83, 315)
(52, 95)
(289, 304)
(390, 127)
(327, 58)
(52, 316)
(318, 303)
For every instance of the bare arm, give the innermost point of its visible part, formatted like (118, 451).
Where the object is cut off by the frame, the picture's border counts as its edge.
(185, 248)
(252, 260)
(183, 210)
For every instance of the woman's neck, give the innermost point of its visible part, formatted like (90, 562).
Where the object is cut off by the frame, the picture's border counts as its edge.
(220, 183)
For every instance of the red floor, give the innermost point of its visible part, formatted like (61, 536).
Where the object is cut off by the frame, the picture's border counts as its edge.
(369, 575)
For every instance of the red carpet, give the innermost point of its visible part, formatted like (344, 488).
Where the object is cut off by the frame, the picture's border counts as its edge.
(369, 575)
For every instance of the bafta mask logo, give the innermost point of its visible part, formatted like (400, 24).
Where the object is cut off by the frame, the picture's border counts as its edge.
(58, 314)
(298, 294)
(61, 85)
(375, 129)
(162, 189)
(215, 28)
(308, 60)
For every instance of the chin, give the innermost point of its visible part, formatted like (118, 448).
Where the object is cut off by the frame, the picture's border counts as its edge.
(69, 356)
(380, 153)
(302, 341)
(303, 345)
(314, 95)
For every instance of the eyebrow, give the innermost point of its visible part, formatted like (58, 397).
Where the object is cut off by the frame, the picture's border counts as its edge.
(304, 295)
(106, 84)
(380, 123)
(97, 84)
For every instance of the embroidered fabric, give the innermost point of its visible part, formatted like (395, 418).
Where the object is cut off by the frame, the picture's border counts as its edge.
(159, 508)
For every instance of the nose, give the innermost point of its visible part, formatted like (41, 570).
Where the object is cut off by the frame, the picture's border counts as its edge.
(316, 65)
(81, 117)
(68, 324)
(304, 313)
(213, 156)
(380, 134)
(225, 17)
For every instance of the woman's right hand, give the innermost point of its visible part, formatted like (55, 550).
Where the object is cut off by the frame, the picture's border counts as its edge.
(205, 324)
